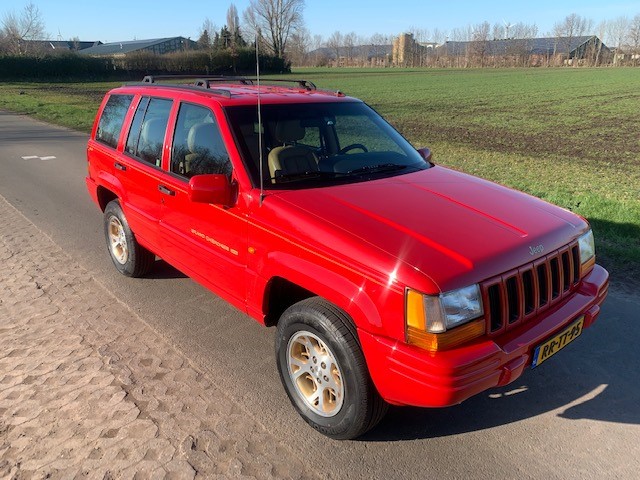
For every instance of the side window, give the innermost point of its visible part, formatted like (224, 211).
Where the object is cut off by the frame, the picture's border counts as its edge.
(112, 119)
(197, 144)
(149, 125)
(134, 134)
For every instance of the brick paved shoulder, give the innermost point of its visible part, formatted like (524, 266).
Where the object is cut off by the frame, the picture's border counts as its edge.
(88, 390)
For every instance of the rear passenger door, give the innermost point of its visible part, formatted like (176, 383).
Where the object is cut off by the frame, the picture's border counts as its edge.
(208, 242)
(140, 168)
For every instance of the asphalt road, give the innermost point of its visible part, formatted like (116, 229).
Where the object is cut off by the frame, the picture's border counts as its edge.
(576, 416)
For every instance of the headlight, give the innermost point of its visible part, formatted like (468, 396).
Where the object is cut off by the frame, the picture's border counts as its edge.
(587, 252)
(431, 319)
(460, 306)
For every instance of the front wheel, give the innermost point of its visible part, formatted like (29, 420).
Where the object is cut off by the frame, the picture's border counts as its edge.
(129, 257)
(323, 370)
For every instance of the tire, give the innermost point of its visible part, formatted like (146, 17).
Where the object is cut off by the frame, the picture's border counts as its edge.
(129, 257)
(323, 370)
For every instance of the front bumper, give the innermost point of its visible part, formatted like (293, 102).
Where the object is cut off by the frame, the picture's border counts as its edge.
(406, 375)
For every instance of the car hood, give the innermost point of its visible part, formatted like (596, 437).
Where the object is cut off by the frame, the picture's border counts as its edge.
(436, 229)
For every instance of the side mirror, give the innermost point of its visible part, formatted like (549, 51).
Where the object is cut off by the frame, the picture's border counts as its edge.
(426, 154)
(213, 188)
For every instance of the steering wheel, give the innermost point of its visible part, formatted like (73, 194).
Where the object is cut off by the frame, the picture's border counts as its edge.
(353, 146)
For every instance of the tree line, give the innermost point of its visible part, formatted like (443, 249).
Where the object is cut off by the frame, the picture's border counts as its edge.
(278, 27)
(25, 53)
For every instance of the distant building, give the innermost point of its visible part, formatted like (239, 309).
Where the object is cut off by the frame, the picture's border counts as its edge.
(568, 47)
(407, 52)
(158, 46)
(55, 46)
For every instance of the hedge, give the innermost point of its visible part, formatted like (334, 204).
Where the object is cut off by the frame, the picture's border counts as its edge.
(74, 66)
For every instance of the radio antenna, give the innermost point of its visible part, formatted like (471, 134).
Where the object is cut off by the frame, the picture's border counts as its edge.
(260, 154)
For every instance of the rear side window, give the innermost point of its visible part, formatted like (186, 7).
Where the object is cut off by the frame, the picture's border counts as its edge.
(112, 119)
(146, 136)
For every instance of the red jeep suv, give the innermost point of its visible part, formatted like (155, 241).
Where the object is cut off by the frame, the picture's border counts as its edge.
(389, 279)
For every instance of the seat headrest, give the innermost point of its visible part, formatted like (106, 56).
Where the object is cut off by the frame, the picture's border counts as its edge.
(289, 131)
(153, 130)
(204, 136)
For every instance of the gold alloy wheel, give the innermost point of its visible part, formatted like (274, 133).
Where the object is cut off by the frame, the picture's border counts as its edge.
(315, 373)
(118, 240)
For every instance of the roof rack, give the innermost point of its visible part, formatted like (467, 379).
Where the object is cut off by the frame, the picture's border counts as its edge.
(207, 81)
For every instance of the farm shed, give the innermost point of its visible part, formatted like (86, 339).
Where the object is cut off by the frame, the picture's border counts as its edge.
(157, 46)
(568, 48)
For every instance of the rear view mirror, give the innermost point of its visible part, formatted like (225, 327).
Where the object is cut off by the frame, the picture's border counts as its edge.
(213, 188)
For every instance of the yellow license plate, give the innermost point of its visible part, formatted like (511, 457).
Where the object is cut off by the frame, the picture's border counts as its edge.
(557, 343)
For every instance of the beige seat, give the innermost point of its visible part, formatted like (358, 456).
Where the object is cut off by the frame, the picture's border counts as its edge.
(290, 158)
(207, 151)
(151, 138)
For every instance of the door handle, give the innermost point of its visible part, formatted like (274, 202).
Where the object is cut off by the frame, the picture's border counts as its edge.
(120, 166)
(166, 190)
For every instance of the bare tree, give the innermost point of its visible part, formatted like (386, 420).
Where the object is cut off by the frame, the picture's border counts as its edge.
(275, 21)
(299, 46)
(524, 30)
(206, 35)
(601, 29)
(617, 31)
(315, 43)
(379, 50)
(458, 57)
(349, 42)
(480, 41)
(19, 30)
(634, 38)
(522, 36)
(335, 43)
(438, 37)
(420, 52)
(498, 32)
(233, 21)
(571, 27)
(75, 43)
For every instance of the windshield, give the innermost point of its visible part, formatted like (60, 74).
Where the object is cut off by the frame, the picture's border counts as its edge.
(317, 144)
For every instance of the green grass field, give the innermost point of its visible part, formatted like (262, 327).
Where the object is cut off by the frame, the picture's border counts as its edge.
(570, 136)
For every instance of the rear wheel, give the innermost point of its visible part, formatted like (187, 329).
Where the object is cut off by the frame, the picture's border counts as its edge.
(323, 370)
(129, 257)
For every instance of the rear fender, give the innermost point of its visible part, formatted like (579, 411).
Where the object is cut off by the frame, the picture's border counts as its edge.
(110, 182)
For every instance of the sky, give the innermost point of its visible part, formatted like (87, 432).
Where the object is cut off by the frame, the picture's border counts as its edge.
(122, 20)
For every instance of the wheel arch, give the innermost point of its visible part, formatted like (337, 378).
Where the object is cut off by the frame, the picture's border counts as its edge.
(105, 196)
(295, 279)
(109, 188)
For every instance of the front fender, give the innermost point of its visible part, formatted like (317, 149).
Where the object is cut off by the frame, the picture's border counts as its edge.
(345, 293)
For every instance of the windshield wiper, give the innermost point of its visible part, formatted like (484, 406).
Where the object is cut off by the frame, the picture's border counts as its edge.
(302, 175)
(383, 167)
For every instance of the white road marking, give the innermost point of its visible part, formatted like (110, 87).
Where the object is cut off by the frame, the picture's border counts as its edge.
(33, 157)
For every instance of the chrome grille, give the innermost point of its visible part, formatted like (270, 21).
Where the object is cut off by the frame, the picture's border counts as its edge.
(517, 296)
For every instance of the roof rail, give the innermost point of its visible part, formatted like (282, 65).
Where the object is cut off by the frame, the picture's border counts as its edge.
(197, 85)
(303, 84)
(207, 81)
